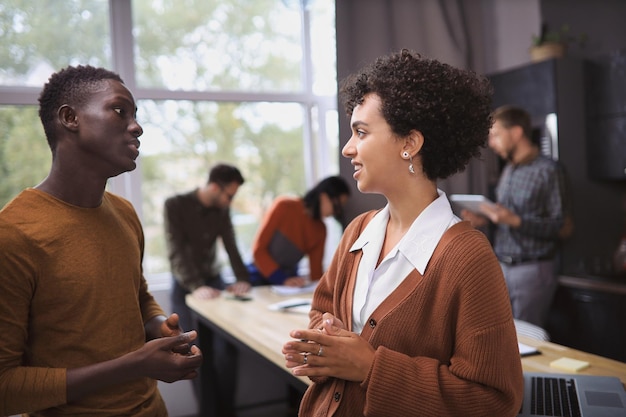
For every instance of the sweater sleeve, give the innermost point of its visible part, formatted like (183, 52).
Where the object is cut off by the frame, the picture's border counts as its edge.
(230, 244)
(148, 305)
(22, 388)
(329, 284)
(181, 260)
(260, 250)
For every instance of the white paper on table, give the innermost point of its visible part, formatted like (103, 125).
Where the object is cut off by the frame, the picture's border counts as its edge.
(295, 305)
(526, 350)
(287, 290)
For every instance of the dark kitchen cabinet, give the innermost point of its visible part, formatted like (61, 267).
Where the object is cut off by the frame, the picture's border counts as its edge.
(606, 123)
(589, 320)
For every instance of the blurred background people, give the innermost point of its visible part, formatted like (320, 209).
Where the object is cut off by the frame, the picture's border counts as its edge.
(194, 221)
(292, 228)
(530, 216)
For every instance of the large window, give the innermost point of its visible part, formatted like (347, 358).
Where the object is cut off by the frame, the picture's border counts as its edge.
(250, 83)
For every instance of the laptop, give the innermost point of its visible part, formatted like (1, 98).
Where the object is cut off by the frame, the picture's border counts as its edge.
(547, 394)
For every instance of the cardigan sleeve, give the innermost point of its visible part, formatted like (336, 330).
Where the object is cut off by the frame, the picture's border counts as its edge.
(324, 297)
(230, 244)
(316, 258)
(183, 266)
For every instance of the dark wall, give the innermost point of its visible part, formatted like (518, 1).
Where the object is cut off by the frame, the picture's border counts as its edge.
(601, 195)
(601, 20)
(367, 29)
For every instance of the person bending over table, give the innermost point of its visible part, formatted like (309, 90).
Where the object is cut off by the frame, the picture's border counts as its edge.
(292, 228)
(412, 317)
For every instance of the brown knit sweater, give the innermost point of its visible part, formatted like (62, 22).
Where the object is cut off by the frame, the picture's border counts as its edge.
(72, 293)
(445, 341)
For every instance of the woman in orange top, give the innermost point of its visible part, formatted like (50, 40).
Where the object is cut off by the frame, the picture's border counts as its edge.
(292, 228)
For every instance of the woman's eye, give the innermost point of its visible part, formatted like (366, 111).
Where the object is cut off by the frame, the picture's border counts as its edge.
(360, 133)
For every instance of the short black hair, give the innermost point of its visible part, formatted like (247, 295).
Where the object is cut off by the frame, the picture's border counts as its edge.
(224, 174)
(451, 107)
(71, 86)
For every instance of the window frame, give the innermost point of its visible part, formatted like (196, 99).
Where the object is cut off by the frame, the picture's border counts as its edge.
(128, 185)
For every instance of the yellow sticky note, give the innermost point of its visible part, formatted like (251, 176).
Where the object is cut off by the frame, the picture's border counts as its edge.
(569, 364)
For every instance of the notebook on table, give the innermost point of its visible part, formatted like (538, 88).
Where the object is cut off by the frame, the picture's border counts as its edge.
(547, 394)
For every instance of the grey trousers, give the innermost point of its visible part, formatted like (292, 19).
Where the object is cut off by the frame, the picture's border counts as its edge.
(531, 288)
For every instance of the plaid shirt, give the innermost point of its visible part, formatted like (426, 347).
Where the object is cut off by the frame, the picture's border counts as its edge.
(535, 191)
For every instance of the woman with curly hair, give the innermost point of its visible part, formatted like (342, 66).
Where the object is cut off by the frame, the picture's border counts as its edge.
(412, 317)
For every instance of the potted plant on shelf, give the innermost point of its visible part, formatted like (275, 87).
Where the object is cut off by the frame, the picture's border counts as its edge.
(553, 43)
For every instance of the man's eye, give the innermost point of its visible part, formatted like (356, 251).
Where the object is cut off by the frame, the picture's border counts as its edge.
(118, 110)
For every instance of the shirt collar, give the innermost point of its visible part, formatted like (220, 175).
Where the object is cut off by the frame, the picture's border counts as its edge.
(420, 241)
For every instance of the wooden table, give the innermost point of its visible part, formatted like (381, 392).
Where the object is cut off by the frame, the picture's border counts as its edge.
(599, 365)
(251, 325)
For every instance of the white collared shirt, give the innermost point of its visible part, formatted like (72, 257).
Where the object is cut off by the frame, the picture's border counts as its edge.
(413, 251)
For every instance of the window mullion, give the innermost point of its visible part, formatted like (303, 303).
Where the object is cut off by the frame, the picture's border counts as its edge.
(127, 185)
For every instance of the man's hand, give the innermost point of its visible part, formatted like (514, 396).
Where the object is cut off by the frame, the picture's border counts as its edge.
(239, 288)
(206, 293)
(499, 214)
(158, 358)
(476, 220)
(171, 327)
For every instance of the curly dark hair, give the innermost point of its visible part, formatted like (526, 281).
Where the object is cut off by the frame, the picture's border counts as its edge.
(72, 86)
(450, 106)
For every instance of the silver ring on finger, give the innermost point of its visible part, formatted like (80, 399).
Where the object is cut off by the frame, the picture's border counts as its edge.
(320, 351)
(306, 358)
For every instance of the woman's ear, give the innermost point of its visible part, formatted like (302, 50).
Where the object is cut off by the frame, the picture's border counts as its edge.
(413, 142)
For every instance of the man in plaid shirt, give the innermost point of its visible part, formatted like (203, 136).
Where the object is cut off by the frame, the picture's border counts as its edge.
(530, 216)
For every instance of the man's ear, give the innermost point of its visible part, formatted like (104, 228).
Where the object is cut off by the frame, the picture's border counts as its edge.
(413, 142)
(517, 133)
(214, 187)
(67, 117)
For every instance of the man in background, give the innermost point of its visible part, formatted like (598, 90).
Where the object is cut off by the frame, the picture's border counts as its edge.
(194, 221)
(529, 217)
